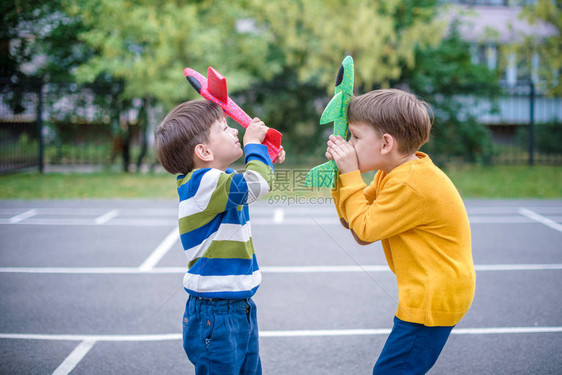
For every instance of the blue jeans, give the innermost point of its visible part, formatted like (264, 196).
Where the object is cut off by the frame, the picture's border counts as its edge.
(411, 348)
(221, 336)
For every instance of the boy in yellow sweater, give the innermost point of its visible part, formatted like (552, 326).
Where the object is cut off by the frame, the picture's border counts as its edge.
(414, 209)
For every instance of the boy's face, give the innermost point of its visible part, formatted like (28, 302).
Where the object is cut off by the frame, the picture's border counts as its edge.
(367, 144)
(224, 143)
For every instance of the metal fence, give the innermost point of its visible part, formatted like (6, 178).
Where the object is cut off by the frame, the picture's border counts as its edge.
(21, 143)
(82, 123)
(58, 124)
(525, 125)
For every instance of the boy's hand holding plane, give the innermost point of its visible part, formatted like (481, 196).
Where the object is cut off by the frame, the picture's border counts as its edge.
(340, 151)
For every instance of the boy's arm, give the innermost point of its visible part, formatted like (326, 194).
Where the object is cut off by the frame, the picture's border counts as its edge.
(370, 191)
(259, 171)
(214, 191)
(237, 189)
(397, 208)
(340, 210)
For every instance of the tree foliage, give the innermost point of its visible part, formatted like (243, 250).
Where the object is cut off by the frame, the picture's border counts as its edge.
(148, 43)
(280, 57)
(40, 40)
(313, 36)
(454, 86)
(549, 49)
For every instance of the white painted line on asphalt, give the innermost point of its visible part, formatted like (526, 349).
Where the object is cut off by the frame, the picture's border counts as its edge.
(499, 220)
(281, 216)
(106, 217)
(91, 270)
(504, 330)
(74, 357)
(315, 210)
(150, 269)
(144, 222)
(491, 210)
(385, 268)
(160, 251)
(541, 219)
(96, 338)
(96, 211)
(385, 331)
(323, 220)
(89, 222)
(317, 269)
(55, 221)
(517, 267)
(326, 332)
(22, 216)
(513, 210)
(11, 211)
(278, 216)
(286, 333)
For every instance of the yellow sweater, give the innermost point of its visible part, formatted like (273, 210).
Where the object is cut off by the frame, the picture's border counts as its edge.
(417, 213)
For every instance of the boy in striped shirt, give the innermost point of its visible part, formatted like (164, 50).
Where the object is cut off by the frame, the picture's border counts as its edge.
(220, 332)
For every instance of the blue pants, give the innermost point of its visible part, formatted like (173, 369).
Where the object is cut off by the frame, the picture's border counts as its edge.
(221, 336)
(411, 348)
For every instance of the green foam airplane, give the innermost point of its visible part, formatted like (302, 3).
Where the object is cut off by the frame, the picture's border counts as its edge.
(325, 175)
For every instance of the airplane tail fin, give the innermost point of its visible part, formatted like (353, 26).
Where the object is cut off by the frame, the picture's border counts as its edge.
(323, 175)
(217, 85)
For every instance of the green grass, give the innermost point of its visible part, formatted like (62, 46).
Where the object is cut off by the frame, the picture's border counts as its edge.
(508, 181)
(472, 181)
(94, 185)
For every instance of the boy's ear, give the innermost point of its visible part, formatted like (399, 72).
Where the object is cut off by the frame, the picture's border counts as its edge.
(203, 153)
(388, 143)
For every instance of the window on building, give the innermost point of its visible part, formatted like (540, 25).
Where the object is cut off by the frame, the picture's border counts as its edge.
(492, 2)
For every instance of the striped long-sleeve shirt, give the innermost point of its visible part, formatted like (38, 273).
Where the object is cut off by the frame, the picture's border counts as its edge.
(214, 223)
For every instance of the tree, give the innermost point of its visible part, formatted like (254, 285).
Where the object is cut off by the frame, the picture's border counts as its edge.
(17, 19)
(313, 36)
(148, 43)
(310, 38)
(280, 56)
(445, 77)
(25, 27)
(549, 48)
(39, 40)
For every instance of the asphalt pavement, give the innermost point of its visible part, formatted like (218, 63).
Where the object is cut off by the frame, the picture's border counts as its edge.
(95, 287)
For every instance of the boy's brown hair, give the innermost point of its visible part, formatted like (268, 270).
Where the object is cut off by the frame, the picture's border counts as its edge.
(186, 126)
(396, 112)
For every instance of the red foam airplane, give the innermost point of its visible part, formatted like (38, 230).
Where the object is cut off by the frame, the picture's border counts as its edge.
(214, 89)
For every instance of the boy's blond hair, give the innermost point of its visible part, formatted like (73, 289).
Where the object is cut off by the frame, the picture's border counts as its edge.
(398, 113)
(186, 126)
